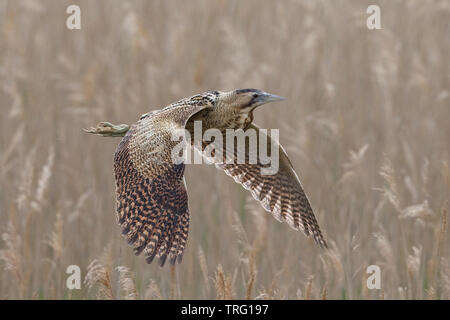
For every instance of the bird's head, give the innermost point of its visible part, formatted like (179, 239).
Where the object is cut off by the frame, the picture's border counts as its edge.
(234, 109)
(247, 99)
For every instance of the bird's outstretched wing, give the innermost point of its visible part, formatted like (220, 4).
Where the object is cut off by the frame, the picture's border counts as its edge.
(152, 206)
(280, 193)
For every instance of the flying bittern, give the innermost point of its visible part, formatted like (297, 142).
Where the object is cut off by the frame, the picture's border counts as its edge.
(152, 203)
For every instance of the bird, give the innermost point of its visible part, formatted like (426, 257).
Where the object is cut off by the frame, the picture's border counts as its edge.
(151, 198)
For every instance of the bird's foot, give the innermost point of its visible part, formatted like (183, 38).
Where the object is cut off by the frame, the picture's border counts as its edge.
(107, 129)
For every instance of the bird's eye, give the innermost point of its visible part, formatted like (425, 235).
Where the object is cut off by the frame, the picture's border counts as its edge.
(255, 95)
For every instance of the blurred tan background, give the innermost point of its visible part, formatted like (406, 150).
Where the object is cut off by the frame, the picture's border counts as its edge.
(366, 124)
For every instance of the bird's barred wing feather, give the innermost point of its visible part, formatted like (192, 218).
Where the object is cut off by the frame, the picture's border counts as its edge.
(281, 193)
(152, 207)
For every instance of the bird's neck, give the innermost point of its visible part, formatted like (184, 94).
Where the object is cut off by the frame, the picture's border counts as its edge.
(223, 118)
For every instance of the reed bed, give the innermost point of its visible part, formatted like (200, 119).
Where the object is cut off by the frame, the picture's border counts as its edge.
(366, 124)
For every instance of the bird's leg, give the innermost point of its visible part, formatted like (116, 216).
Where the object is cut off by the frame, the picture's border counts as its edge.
(107, 129)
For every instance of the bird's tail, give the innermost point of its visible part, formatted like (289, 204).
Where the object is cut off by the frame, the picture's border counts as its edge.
(107, 129)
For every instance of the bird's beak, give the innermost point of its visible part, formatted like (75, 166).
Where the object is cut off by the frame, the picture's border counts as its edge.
(265, 97)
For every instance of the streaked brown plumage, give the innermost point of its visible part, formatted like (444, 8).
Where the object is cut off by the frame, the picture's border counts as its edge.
(152, 205)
